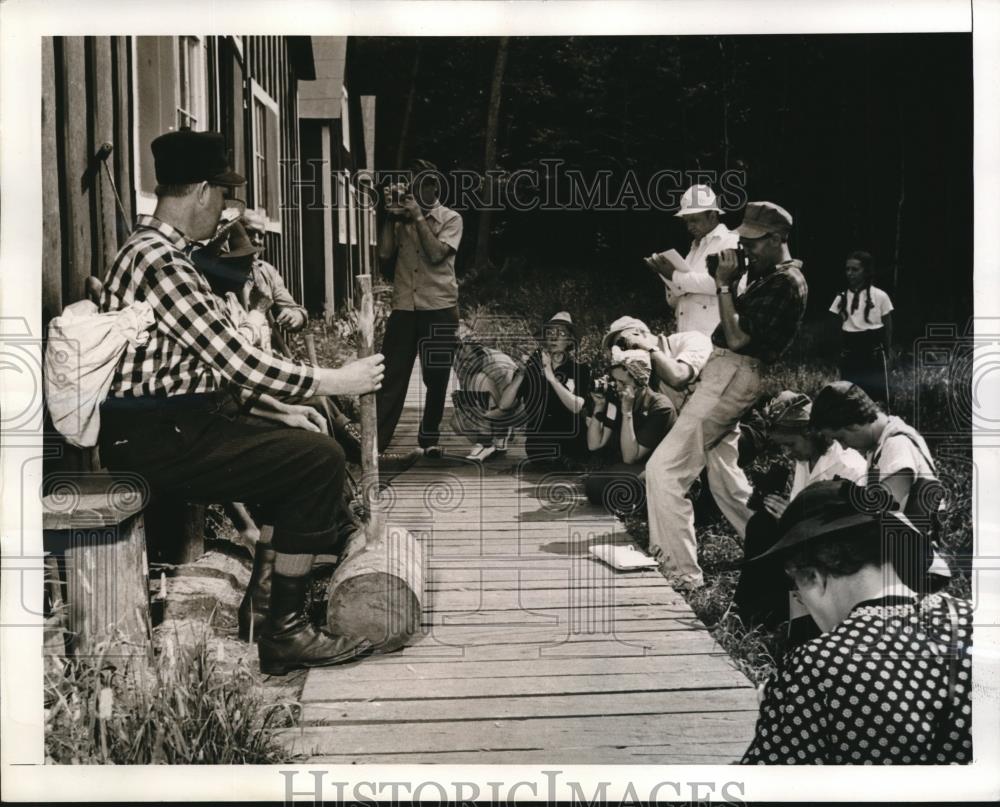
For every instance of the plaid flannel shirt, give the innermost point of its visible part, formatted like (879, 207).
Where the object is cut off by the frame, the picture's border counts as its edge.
(770, 312)
(194, 346)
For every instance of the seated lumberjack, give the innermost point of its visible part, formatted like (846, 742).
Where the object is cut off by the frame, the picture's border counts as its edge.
(174, 411)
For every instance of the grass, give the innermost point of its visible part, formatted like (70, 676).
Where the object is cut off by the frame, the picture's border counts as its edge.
(189, 707)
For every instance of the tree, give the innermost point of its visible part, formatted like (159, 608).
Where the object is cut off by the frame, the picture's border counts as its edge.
(490, 159)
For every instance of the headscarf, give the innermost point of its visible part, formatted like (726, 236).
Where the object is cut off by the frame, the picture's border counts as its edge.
(634, 362)
(788, 412)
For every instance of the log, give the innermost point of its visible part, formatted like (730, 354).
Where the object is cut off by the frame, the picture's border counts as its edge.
(377, 591)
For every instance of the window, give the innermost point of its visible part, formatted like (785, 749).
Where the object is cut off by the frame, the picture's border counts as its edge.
(265, 160)
(192, 83)
(170, 88)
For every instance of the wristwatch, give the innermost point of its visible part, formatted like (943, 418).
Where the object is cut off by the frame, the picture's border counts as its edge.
(723, 290)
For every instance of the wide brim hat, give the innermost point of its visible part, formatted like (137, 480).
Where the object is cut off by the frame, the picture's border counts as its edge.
(561, 318)
(825, 509)
(622, 324)
(698, 199)
(240, 245)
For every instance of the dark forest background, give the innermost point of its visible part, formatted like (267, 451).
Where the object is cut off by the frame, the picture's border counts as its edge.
(865, 139)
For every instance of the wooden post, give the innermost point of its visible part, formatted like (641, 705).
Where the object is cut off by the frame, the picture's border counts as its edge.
(99, 521)
(377, 590)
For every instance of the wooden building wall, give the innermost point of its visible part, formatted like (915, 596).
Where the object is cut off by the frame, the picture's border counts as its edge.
(86, 92)
(267, 62)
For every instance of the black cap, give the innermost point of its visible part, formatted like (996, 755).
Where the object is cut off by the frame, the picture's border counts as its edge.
(184, 157)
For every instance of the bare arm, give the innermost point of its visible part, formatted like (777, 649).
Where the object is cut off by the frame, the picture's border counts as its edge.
(675, 373)
(574, 403)
(598, 433)
(509, 396)
(436, 250)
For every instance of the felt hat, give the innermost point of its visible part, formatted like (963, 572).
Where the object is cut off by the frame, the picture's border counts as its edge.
(184, 157)
(761, 218)
(561, 318)
(835, 506)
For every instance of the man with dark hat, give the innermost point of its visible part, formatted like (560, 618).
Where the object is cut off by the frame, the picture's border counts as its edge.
(421, 236)
(172, 414)
(755, 328)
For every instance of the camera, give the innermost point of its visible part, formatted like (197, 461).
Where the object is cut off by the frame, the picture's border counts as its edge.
(394, 196)
(712, 261)
(773, 481)
(604, 385)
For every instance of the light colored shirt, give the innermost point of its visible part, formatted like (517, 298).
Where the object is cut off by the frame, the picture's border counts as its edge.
(269, 281)
(855, 322)
(837, 461)
(420, 285)
(900, 447)
(692, 294)
(691, 347)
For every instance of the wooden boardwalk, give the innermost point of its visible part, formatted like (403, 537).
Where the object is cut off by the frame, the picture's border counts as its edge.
(532, 651)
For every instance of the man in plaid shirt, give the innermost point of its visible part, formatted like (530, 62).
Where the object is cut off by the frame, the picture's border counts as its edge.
(173, 413)
(754, 329)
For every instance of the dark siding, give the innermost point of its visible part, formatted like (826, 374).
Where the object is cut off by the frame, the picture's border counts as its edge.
(268, 64)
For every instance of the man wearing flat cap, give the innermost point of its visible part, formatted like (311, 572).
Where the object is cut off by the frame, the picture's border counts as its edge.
(174, 415)
(755, 328)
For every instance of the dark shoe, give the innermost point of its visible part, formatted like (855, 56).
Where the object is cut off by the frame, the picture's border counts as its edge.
(347, 434)
(433, 452)
(257, 600)
(392, 463)
(289, 641)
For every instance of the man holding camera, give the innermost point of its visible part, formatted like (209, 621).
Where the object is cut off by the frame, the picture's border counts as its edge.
(422, 236)
(692, 294)
(755, 328)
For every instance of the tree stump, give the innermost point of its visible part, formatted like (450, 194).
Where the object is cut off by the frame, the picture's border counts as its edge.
(97, 521)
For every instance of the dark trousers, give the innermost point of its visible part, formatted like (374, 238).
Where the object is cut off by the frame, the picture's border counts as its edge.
(617, 488)
(431, 335)
(761, 596)
(862, 362)
(199, 448)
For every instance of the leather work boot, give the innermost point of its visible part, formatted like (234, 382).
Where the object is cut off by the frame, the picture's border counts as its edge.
(392, 463)
(289, 641)
(256, 601)
(348, 435)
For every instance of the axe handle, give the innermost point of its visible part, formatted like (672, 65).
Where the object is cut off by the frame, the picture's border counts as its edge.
(369, 417)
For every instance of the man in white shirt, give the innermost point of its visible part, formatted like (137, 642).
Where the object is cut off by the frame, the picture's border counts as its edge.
(692, 294)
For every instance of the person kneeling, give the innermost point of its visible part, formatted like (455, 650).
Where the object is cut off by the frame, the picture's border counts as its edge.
(637, 424)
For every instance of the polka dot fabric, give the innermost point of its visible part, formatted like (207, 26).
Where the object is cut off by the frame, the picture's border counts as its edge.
(871, 691)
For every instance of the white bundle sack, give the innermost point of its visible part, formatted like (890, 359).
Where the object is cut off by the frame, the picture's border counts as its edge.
(83, 351)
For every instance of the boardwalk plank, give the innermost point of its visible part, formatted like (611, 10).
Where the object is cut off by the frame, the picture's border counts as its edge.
(532, 651)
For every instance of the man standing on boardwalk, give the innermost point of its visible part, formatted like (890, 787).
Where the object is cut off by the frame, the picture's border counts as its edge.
(421, 236)
(755, 328)
(692, 294)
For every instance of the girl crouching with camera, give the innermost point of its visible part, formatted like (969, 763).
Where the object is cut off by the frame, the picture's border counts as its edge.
(761, 597)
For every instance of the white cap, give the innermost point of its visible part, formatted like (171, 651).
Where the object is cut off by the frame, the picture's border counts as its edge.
(697, 199)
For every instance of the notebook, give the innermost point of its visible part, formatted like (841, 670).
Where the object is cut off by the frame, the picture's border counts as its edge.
(624, 558)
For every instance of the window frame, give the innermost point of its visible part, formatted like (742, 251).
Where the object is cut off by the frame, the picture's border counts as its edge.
(259, 95)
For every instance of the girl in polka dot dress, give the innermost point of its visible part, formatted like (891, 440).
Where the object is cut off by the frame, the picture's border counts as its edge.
(888, 682)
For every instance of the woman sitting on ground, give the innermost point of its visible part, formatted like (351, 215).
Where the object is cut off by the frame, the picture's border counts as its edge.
(635, 424)
(762, 599)
(889, 679)
(552, 386)
(898, 460)
(483, 373)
